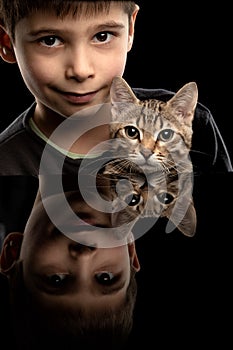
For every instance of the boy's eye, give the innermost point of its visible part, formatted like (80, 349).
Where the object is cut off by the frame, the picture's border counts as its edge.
(57, 279)
(103, 37)
(50, 41)
(105, 278)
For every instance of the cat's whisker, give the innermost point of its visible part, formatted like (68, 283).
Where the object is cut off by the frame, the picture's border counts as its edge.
(122, 165)
(150, 133)
(165, 167)
(198, 152)
(178, 167)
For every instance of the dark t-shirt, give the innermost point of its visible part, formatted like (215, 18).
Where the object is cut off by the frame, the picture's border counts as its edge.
(21, 149)
(5, 310)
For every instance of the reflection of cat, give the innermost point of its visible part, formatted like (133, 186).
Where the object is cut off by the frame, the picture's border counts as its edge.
(136, 196)
(150, 162)
(153, 134)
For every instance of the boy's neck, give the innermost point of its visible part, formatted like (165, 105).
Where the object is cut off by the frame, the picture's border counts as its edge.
(77, 135)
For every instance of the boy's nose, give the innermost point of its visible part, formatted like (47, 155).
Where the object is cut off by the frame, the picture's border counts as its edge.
(80, 65)
(76, 249)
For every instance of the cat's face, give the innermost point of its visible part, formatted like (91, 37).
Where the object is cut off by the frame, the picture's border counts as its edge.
(134, 196)
(153, 134)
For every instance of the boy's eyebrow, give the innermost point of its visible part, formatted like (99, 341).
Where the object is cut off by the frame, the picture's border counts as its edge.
(114, 288)
(95, 28)
(110, 24)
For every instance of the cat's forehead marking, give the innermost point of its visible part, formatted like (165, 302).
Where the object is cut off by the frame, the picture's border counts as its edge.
(151, 104)
(153, 122)
(153, 108)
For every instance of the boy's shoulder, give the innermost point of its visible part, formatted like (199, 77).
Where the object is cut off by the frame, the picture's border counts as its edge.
(20, 148)
(19, 125)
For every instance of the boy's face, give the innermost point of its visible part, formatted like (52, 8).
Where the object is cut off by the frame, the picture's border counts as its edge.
(68, 64)
(59, 270)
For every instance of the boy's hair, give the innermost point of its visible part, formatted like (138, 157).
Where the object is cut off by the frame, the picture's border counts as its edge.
(12, 11)
(36, 327)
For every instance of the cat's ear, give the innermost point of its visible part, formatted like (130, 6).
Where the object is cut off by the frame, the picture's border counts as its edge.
(187, 223)
(121, 92)
(183, 103)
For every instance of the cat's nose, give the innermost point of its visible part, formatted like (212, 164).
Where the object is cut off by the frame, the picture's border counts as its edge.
(146, 152)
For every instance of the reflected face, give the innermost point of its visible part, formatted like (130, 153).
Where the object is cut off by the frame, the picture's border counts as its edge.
(59, 270)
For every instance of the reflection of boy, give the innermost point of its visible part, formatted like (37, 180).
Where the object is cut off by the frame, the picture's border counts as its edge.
(66, 292)
(68, 59)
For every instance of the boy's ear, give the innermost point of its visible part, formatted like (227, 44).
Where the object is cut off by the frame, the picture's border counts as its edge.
(6, 49)
(131, 27)
(133, 254)
(10, 251)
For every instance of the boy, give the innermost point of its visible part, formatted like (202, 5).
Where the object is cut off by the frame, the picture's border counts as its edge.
(67, 58)
(68, 53)
(66, 292)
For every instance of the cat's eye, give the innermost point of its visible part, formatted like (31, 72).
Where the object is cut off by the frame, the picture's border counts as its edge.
(132, 132)
(133, 200)
(165, 197)
(166, 135)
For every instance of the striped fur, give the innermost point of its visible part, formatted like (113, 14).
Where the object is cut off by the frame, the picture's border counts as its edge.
(151, 139)
(153, 134)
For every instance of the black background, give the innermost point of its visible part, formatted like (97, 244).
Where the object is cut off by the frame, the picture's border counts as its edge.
(184, 296)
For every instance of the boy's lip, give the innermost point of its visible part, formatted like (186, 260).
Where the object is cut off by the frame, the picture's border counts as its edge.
(78, 98)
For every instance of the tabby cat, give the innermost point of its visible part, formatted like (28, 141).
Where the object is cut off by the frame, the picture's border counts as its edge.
(135, 196)
(153, 134)
(151, 139)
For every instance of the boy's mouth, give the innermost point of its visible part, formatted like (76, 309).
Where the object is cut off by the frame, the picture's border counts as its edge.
(78, 98)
